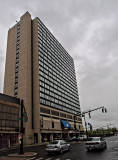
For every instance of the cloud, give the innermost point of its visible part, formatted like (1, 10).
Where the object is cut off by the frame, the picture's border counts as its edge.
(88, 31)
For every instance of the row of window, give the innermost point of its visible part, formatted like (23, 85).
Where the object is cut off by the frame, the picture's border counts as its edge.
(61, 101)
(56, 73)
(17, 61)
(9, 124)
(64, 83)
(8, 116)
(53, 94)
(54, 52)
(57, 87)
(48, 66)
(9, 109)
(60, 114)
(57, 106)
(55, 55)
(42, 28)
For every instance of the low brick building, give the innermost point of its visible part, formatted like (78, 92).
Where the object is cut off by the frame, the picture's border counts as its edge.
(9, 114)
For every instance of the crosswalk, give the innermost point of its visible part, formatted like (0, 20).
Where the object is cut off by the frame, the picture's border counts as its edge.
(112, 141)
(41, 158)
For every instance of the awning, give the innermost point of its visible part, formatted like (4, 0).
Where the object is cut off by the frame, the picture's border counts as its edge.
(65, 124)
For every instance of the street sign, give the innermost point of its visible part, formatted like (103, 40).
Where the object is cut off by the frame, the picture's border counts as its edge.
(18, 118)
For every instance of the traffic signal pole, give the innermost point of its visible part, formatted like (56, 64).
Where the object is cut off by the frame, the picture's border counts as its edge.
(89, 111)
(21, 140)
(86, 126)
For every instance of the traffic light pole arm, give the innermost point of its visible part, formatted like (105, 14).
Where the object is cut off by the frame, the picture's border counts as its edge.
(90, 110)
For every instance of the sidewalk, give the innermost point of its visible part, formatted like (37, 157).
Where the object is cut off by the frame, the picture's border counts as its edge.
(17, 156)
(18, 146)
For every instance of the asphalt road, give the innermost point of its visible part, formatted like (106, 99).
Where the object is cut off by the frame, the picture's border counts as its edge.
(78, 152)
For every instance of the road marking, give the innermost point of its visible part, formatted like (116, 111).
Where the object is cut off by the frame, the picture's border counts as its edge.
(48, 158)
(112, 141)
(39, 158)
(33, 158)
(57, 159)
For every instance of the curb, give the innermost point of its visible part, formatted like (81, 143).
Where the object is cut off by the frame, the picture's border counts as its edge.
(26, 154)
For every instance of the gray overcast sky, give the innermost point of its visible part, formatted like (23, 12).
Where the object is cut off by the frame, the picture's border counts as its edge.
(88, 30)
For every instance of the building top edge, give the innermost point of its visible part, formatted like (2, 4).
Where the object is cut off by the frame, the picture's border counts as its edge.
(8, 98)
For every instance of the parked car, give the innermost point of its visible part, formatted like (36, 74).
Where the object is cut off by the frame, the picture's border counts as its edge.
(58, 146)
(95, 143)
(82, 138)
(71, 139)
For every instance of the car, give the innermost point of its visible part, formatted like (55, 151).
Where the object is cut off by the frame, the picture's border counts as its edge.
(82, 138)
(95, 143)
(71, 139)
(58, 146)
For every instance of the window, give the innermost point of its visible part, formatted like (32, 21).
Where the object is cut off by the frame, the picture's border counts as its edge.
(62, 115)
(44, 110)
(55, 113)
(52, 124)
(69, 116)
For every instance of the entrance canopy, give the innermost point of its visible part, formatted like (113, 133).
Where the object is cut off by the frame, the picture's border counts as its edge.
(65, 124)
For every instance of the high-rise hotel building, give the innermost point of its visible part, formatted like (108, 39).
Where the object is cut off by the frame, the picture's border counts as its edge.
(41, 72)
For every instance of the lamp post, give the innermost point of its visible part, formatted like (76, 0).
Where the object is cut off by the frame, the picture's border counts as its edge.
(21, 140)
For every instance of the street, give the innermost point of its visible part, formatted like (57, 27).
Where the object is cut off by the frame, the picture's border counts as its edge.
(78, 152)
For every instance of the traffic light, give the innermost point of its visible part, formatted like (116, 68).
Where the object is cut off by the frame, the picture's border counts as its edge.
(17, 129)
(89, 115)
(105, 110)
(102, 110)
(23, 130)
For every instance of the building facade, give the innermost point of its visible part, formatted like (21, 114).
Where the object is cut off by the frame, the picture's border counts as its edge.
(9, 114)
(41, 72)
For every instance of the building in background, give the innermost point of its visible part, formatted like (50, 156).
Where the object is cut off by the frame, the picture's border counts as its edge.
(9, 114)
(41, 72)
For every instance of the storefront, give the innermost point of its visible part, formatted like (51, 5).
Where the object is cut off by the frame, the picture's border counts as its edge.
(8, 140)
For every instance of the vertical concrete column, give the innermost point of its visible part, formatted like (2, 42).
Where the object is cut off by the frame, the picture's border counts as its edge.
(61, 136)
(51, 137)
(39, 137)
(24, 73)
(36, 88)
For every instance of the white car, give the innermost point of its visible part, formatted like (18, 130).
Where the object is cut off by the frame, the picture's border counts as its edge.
(58, 146)
(82, 138)
(95, 143)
